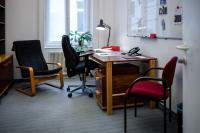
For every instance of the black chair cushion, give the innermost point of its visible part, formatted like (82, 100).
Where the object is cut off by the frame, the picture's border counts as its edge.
(48, 72)
(80, 67)
(29, 54)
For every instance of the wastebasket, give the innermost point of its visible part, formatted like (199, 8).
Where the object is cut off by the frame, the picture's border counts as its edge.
(180, 117)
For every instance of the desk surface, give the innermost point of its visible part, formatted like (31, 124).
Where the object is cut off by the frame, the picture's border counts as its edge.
(118, 57)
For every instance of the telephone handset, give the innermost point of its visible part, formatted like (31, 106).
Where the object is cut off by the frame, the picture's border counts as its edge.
(134, 51)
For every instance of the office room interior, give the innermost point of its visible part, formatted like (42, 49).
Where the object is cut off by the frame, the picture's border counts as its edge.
(25, 20)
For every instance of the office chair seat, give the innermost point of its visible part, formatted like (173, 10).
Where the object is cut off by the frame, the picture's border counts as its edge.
(149, 89)
(80, 67)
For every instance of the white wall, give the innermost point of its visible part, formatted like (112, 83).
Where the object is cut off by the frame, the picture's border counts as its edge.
(21, 22)
(162, 49)
(102, 9)
(191, 84)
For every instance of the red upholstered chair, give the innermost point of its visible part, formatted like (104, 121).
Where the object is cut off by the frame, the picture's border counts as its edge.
(153, 88)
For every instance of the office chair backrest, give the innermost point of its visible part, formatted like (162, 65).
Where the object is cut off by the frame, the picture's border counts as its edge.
(71, 57)
(29, 53)
(169, 71)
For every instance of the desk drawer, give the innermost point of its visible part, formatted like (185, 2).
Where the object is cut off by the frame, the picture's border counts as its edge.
(120, 69)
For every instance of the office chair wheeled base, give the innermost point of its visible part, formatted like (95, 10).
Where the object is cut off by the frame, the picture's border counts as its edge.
(84, 89)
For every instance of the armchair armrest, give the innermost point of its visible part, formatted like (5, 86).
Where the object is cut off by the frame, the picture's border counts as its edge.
(29, 69)
(53, 63)
(154, 68)
(25, 67)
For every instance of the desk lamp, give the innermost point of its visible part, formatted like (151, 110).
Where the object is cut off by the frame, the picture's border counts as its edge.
(103, 26)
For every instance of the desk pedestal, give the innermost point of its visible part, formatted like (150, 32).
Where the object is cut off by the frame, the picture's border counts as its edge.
(122, 76)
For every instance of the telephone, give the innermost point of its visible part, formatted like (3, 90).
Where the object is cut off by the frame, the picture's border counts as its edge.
(134, 51)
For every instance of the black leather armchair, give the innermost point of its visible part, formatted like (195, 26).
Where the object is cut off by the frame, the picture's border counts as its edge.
(33, 66)
(76, 66)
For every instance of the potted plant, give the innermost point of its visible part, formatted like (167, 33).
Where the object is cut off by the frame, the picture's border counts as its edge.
(80, 38)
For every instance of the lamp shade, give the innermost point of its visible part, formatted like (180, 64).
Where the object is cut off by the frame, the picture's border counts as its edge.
(101, 25)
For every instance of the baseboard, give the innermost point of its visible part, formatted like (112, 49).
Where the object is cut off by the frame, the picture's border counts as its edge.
(20, 80)
(161, 107)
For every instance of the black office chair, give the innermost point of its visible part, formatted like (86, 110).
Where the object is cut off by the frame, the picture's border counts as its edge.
(75, 66)
(34, 68)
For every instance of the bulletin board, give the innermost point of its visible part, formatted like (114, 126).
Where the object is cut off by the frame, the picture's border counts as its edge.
(160, 17)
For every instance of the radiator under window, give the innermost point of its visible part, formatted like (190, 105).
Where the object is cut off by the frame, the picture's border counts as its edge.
(57, 57)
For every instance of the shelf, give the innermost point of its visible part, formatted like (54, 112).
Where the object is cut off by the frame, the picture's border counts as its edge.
(2, 3)
(146, 37)
(2, 40)
(1, 6)
(2, 23)
(2, 26)
(158, 37)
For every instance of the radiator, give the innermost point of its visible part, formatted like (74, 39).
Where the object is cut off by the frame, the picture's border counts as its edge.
(57, 57)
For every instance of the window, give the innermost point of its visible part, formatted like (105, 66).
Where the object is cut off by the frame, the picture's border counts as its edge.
(79, 12)
(63, 16)
(56, 20)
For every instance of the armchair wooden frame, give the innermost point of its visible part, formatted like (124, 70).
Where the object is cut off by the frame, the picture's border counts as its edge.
(36, 80)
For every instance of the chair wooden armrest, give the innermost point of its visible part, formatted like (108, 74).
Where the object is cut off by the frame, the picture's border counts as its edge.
(54, 63)
(30, 69)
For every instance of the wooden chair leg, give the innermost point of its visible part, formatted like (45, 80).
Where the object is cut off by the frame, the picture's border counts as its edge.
(33, 88)
(25, 92)
(165, 120)
(59, 76)
(170, 100)
(61, 79)
(32, 80)
(135, 102)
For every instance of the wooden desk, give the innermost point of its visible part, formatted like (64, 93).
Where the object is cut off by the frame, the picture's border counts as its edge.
(108, 59)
